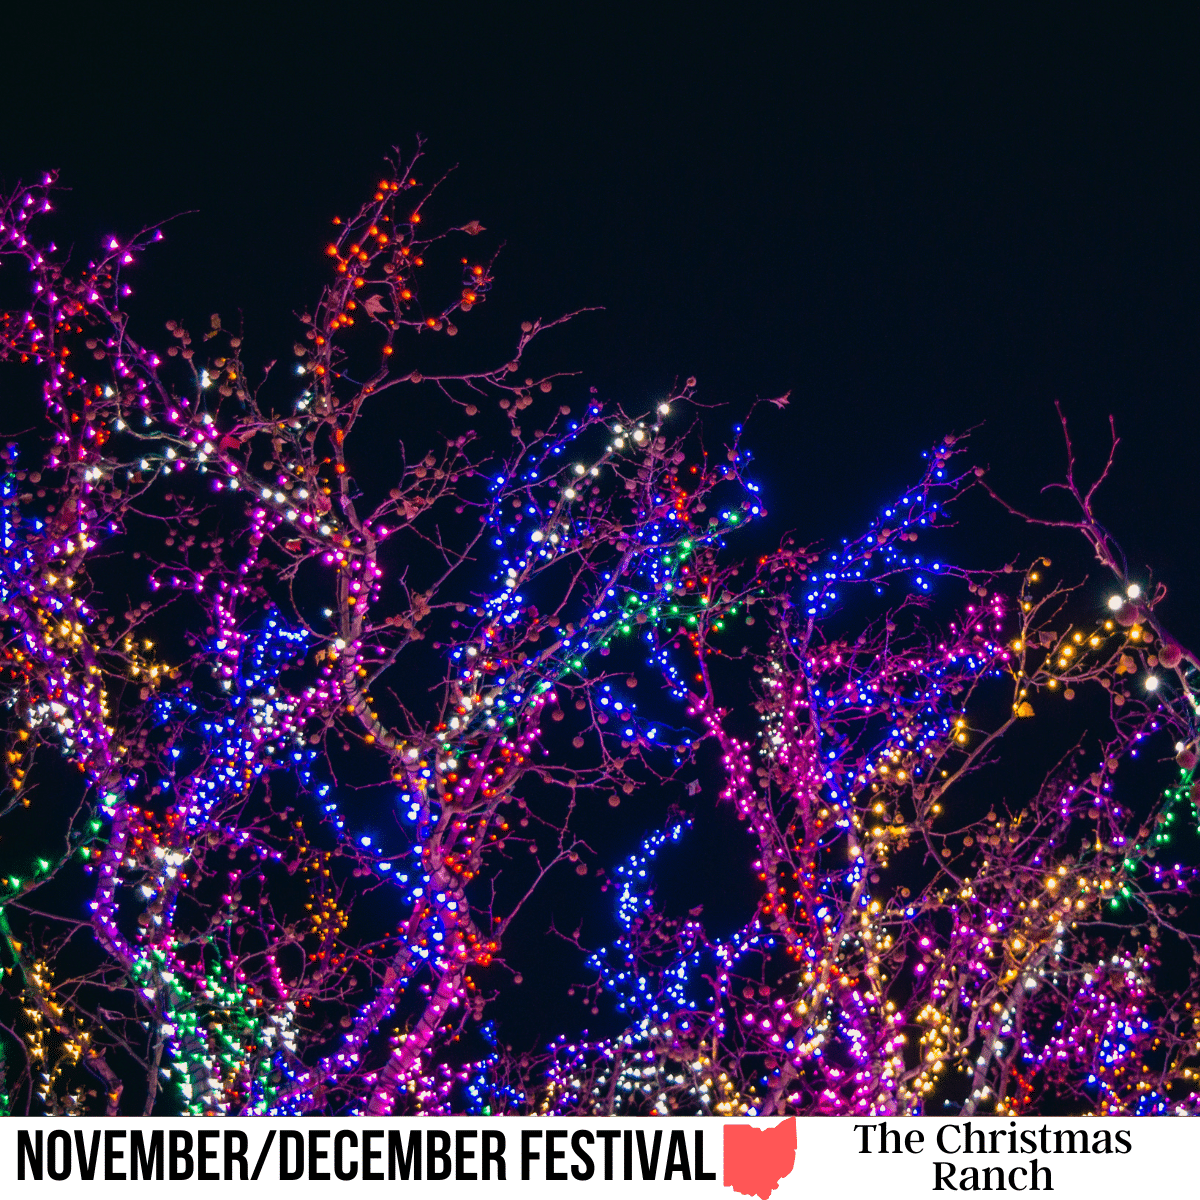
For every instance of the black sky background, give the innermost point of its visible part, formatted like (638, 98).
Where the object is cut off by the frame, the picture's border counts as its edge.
(915, 221)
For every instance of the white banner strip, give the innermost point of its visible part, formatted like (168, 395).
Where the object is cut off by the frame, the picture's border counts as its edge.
(1069, 1157)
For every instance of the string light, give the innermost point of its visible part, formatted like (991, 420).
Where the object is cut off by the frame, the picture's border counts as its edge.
(903, 949)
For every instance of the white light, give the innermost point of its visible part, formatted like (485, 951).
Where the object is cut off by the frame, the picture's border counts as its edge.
(536, 536)
(1115, 602)
(1133, 591)
(1152, 683)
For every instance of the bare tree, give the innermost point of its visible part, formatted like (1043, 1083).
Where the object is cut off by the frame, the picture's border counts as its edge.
(300, 718)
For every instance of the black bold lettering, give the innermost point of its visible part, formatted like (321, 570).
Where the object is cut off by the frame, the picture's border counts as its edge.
(677, 1156)
(233, 1136)
(339, 1141)
(528, 1154)
(315, 1155)
(608, 1136)
(112, 1154)
(87, 1166)
(462, 1155)
(941, 1139)
(406, 1162)
(260, 1162)
(58, 1162)
(974, 1141)
(369, 1155)
(437, 1149)
(589, 1167)
(179, 1154)
(145, 1163)
(29, 1152)
(204, 1155)
(493, 1152)
(943, 1174)
(553, 1154)
(289, 1137)
(649, 1164)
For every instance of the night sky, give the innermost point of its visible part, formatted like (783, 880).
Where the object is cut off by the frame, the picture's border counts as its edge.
(915, 224)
